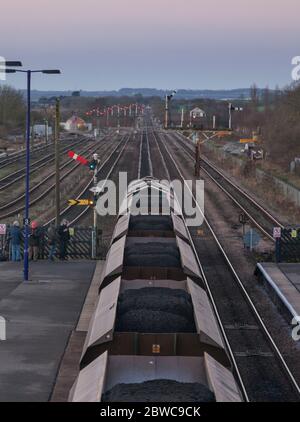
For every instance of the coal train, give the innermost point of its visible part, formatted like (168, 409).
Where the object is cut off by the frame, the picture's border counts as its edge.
(153, 336)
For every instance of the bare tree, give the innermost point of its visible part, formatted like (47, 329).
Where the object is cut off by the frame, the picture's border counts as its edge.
(254, 96)
(12, 108)
(266, 99)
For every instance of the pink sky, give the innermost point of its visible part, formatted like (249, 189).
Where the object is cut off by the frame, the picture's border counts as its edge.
(149, 43)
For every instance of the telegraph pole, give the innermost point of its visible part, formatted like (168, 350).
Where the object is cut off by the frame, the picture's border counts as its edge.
(57, 160)
(230, 117)
(118, 131)
(197, 159)
(95, 200)
(95, 217)
(46, 131)
(98, 121)
(182, 117)
(166, 112)
(107, 116)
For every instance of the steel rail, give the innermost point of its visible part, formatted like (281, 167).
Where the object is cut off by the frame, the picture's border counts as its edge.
(240, 284)
(44, 161)
(244, 194)
(90, 148)
(211, 297)
(90, 183)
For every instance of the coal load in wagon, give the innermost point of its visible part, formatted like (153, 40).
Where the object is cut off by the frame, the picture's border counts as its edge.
(151, 222)
(152, 254)
(155, 310)
(159, 391)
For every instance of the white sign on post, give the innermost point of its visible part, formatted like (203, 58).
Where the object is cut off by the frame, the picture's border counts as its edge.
(277, 232)
(2, 229)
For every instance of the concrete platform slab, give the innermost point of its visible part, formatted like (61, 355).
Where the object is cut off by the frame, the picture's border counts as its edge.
(91, 299)
(69, 367)
(11, 276)
(40, 317)
(283, 281)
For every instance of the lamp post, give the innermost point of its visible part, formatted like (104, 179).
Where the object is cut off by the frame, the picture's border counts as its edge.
(46, 130)
(27, 182)
(9, 63)
(57, 163)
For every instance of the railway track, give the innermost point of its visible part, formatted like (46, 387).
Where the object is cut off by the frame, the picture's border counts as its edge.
(145, 164)
(256, 213)
(15, 158)
(17, 175)
(10, 208)
(75, 214)
(261, 368)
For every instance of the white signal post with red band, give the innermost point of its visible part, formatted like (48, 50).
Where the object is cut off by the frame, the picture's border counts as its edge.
(93, 165)
(78, 158)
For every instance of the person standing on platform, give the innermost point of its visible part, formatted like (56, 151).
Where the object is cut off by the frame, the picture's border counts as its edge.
(34, 242)
(15, 237)
(64, 237)
(52, 240)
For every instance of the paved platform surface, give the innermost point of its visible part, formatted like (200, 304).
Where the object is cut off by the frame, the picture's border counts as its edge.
(69, 367)
(40, 317)
(284, 280)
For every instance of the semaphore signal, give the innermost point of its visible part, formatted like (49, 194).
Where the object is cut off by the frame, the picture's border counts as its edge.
(78, 158)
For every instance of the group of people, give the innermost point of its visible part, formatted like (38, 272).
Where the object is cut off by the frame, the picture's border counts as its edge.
(57, 238)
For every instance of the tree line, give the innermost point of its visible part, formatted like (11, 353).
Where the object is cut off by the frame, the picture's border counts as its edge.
(275, 114)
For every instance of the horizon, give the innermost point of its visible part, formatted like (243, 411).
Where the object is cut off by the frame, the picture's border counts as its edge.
(181, 95)
(156, 89)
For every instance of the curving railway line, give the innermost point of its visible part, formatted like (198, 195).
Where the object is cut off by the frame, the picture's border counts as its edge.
(261, 368)
(256, 213)
(38, 191)
(75, 214)
(15, 176)
(20, 156)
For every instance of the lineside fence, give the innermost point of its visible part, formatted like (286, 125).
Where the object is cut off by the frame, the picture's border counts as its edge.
(85, 243)
(288, 245)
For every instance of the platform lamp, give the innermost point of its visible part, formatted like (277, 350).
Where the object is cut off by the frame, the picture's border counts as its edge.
(27, 183)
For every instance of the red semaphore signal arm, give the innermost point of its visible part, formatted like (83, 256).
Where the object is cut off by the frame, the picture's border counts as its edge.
(78, 158)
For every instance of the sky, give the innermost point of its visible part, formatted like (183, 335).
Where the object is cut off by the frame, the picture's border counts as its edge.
(166, 44)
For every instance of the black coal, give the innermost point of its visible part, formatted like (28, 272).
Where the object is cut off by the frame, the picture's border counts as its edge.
(155, 310)
(152, 254)
(151, 222)
(159, 391)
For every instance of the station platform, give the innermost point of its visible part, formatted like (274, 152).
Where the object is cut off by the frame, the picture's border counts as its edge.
(69, 366)
(40, 317)
(283, 283)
